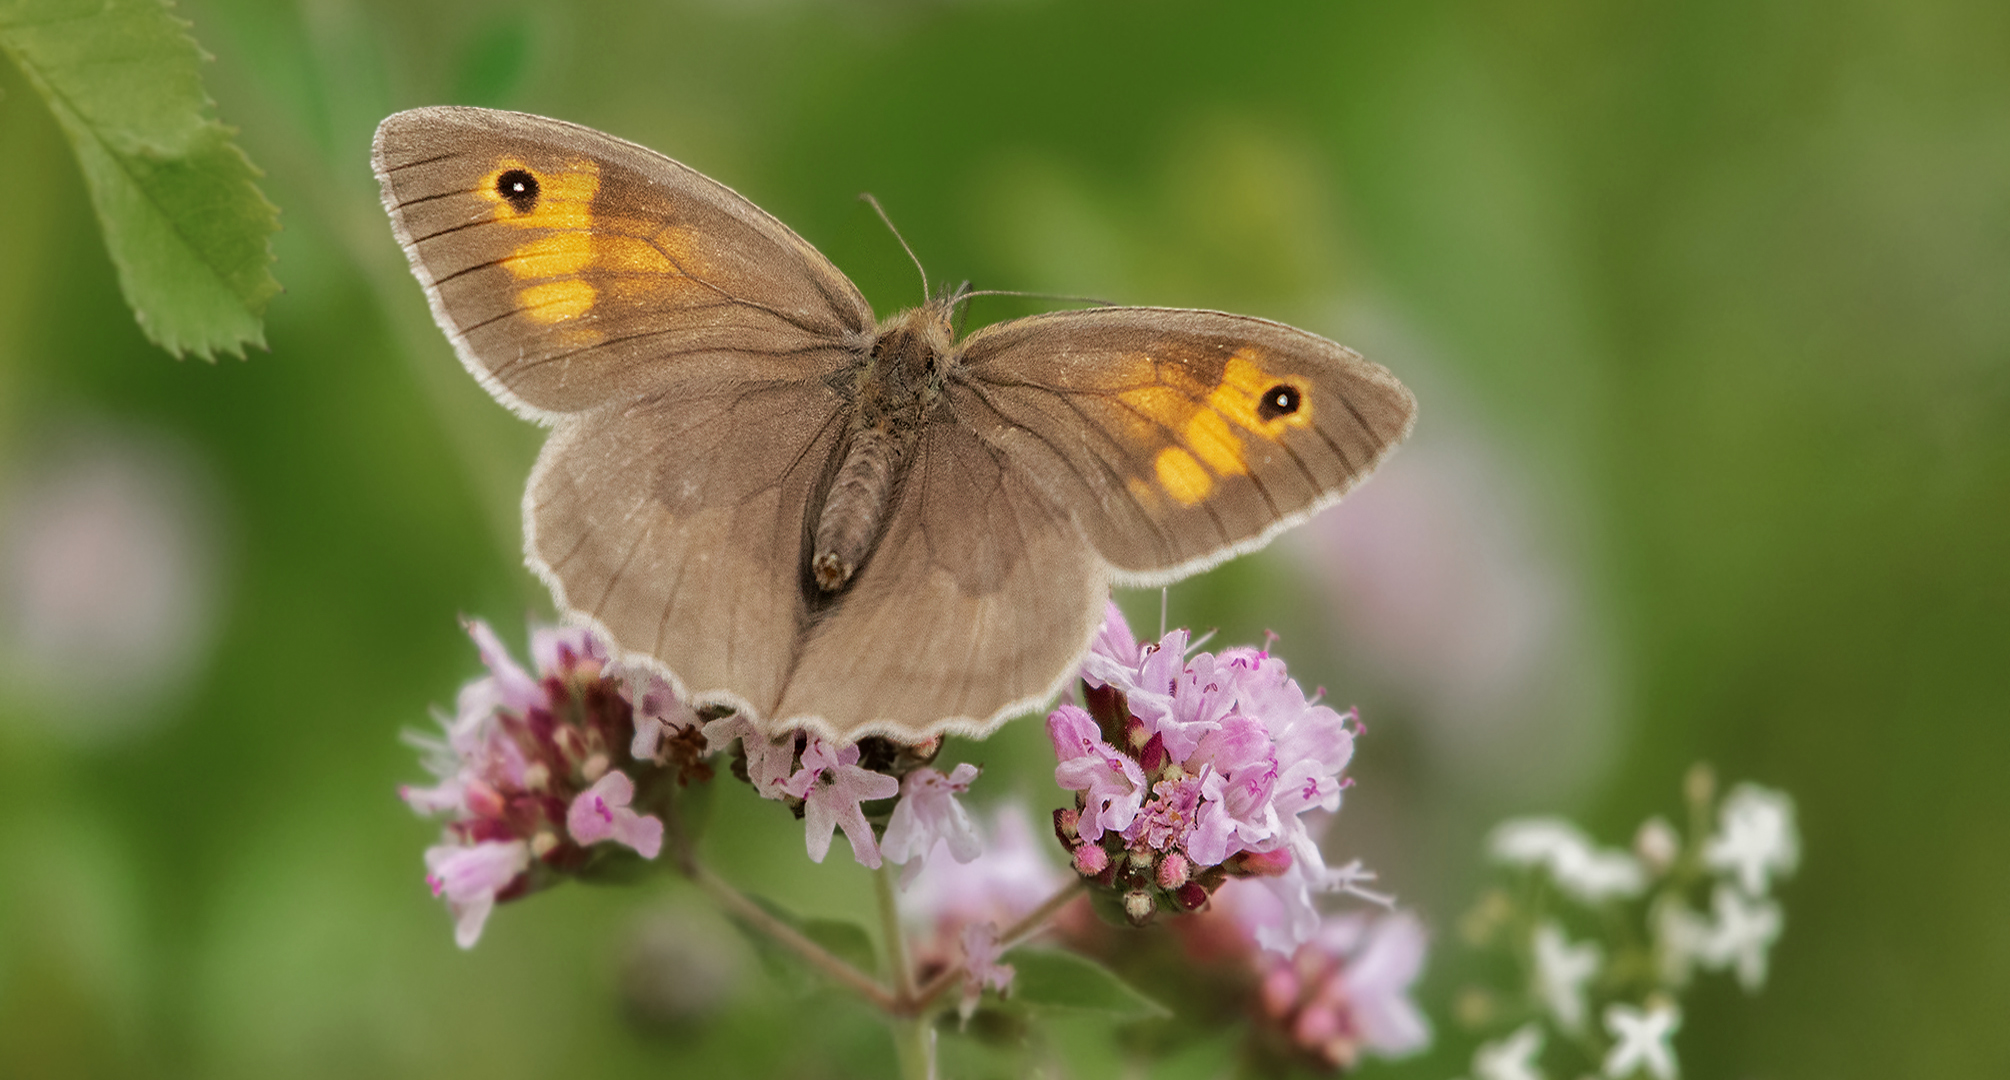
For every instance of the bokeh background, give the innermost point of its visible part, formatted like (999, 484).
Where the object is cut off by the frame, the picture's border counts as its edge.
(1707, 305)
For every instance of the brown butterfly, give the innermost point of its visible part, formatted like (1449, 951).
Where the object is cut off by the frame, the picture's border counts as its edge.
(830, 521)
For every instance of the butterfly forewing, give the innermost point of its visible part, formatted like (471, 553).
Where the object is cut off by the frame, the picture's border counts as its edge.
(1178, 438)
(572, 269)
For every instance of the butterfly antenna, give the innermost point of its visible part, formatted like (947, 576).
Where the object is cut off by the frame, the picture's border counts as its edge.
(1165, 594)
(956, 304)
(1090, 300)
(881, 211)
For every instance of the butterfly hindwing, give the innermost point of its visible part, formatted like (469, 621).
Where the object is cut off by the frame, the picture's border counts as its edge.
(1178, 438)
(571, 268)
(676, 523)
(974, 607)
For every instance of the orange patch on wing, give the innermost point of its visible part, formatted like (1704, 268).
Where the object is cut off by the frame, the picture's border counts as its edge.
(1159, 404)
(1244, 385)
(557, 301)
(1182, 477)
(557, 255)
(1210, 437)
(564, 196)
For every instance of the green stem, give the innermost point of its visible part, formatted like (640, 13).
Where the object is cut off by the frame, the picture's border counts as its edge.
(913, 1033)
(816, 955)
(914, 1044)
(889, 928)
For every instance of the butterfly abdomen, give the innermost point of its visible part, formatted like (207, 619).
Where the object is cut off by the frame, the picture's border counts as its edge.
(897, 385)
(856, 504)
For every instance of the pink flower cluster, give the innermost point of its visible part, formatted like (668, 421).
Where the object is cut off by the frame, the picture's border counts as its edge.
(830, 785)
(535, 773)
(1190, 770)
(959, 908)
(538, 771)
(1345, 992)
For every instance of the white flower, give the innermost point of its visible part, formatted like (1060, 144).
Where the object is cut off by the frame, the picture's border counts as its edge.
(832, 785)
(1755, 838)
(1744, 933)
(1561, 970)
(1641, 1040)
(1512, 1058)
(1582, 870)
(1682, 940)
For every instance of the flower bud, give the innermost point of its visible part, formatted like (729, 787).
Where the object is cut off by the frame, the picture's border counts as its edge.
(1279, 991)
(1153, 754)
(1263, 863)
(1139, 907)
(1173, 871)
(1657, 844)
(1066, 826)
(1091, 860)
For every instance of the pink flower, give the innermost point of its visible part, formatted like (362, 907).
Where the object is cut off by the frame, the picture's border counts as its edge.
(1114, 656)
(1346, 990)
(471, 876)
(601, 813)
(1009, 878)
(981, 967)
(770, 762)
(1112, 782)
(1211, 759)
(659, 714)
(928, 812)
(1164, 824)
(832, 785)
(507, 686)
(530, 774)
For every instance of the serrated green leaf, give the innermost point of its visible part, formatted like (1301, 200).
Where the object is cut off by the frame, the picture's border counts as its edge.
(186, 225)
(1051, 979)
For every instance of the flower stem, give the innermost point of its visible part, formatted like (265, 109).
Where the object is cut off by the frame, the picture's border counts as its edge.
(914, 1043)
(685, 855)
(896, 942)
(812, 953)
(1033, 923)
(913, 1033)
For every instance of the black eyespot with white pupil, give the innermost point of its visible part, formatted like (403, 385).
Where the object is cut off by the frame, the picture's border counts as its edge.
(1280, 400)
(519, 189)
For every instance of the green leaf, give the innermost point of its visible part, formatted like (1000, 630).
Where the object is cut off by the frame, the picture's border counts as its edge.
(1050, 979)
(845, 940)
(188, 230)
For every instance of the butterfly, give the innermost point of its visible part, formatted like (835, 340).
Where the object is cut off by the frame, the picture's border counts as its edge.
(826, 520)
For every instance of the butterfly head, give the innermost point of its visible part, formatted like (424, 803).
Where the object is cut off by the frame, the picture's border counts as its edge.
(913, 348)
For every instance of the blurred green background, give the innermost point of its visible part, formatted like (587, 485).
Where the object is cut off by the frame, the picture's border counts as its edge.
(1707, 305)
